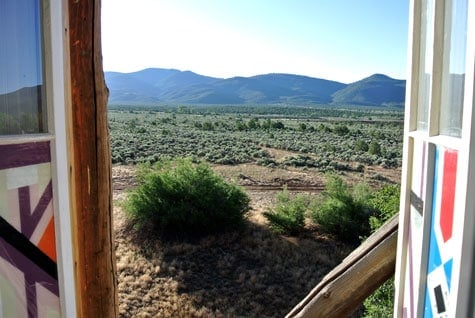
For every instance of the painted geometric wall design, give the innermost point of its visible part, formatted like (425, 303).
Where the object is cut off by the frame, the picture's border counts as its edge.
(28, 270)
(440, 258)
(415, 228)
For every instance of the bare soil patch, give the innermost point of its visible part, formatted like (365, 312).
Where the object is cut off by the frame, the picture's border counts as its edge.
(279, 154)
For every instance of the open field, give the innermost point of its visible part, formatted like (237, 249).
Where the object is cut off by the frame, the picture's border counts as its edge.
(323, 143)
(254, 273)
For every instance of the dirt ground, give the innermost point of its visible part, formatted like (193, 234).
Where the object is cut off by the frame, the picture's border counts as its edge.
(253, 273)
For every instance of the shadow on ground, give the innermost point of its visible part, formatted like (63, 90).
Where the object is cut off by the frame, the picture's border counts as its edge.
(253, 273)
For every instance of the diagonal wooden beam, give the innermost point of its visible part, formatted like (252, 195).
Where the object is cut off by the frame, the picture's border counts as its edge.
(344, 289)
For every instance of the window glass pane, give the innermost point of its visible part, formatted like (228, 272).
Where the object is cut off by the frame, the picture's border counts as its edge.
(453, 75)
(22, 105)
(425, 69)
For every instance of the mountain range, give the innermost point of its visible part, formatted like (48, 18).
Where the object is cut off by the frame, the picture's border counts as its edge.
(158, 86)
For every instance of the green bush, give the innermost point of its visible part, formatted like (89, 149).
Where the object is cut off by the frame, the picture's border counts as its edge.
(385, 203)
(374, 148)
(380, 303)
(182, 198)
(341, 129)
(288, 215)
(361, 145)
(343, 211)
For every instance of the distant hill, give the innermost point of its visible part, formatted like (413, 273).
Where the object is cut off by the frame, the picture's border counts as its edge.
(153, 85)
(377, 90)
(24, 100)
(22, 111)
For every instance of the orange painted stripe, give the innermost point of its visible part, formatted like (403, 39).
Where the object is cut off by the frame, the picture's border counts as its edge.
(47, 244)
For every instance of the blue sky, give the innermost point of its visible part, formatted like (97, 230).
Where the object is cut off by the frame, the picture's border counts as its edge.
(20, 48)
(342, 40)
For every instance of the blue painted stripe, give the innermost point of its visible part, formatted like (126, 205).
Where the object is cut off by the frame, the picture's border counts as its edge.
(434, 252)
(434, 259)
(448, 271)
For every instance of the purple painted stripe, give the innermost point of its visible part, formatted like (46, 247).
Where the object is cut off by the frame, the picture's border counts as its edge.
(29, 220)
(30, 290)
(34, 273)
(25, 211)
(20, 155)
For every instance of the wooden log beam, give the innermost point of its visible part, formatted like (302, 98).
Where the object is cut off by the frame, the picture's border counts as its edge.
(91, 173)
(344, 289)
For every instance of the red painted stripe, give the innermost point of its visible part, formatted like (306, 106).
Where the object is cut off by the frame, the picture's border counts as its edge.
(448, 194)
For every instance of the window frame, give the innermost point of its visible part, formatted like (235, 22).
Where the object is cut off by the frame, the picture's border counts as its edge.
(461, 291)
(55, 59)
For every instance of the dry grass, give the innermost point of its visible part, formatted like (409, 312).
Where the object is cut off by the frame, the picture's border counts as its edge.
(255, 273)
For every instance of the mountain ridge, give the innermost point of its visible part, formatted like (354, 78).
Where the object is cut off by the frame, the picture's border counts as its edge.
(155, 85)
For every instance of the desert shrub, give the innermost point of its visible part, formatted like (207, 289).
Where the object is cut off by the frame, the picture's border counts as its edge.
(185, 198)
(278, 125)
(361, 145)
(341, 129)
(288, 215)
(385, 202)
(380, 303)
(343, 212)
(374, 148)
(207, 125)
(300, 161)
(253, 123)
(269, 162)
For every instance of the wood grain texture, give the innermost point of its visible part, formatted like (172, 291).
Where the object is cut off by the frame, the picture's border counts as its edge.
(95, 264)
(343, 289)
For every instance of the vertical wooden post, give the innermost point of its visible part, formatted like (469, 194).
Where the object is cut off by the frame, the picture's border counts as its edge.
(95, 253)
